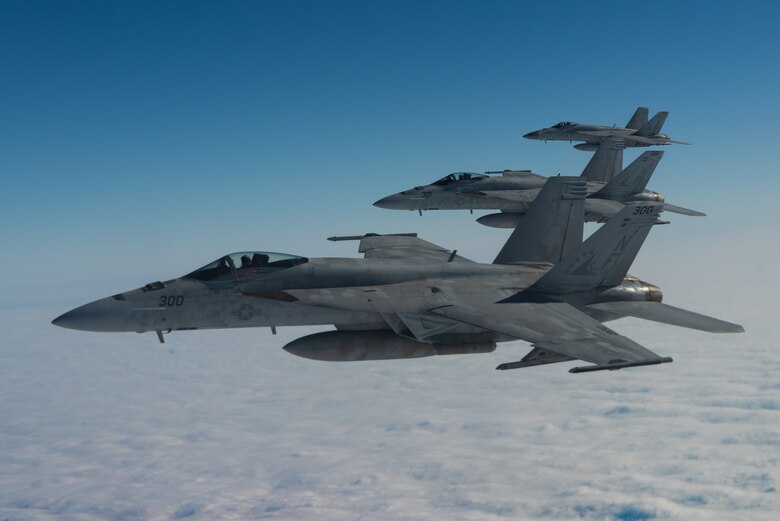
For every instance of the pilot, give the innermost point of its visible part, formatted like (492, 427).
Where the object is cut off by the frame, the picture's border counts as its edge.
(223, 267)
(259, 260)
(246, 269)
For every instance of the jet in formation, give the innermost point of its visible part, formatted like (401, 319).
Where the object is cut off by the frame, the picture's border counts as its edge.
(638, 132)
(409, 298)
(609, 189)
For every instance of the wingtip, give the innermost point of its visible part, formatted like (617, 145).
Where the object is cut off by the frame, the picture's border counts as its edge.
(614, 366)
(683, 211)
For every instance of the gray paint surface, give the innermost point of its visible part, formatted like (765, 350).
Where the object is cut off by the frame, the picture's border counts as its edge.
(421, 292)
(633, 135)
(609, 189)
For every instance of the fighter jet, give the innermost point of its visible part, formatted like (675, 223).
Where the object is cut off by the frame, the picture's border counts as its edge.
(409, 298)
(513, 191)
(638, 132)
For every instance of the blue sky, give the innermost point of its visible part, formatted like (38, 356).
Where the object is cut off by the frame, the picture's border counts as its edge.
(143, 139)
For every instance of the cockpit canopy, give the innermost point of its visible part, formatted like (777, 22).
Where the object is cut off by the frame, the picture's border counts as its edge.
(245, 265)
(563, 124)
(459, 177)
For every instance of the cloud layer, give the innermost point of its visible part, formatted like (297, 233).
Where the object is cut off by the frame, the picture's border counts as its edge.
(226, 425)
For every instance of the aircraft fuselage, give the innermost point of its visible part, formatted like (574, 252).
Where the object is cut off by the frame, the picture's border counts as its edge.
(278, 299)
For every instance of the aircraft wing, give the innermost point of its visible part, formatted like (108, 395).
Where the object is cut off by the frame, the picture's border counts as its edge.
(683, 211)
(667, 314)
(400, 247)
(557, 327)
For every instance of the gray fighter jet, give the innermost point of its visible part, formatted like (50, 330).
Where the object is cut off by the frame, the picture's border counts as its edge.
(410, 298)
(513, 191)
(638, 132)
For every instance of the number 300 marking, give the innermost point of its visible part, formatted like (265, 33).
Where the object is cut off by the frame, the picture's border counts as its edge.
(171, 300)
(642, 210)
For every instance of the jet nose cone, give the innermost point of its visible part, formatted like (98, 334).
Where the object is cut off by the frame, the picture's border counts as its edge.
(536, 134)
(391, 202)
(95, 316)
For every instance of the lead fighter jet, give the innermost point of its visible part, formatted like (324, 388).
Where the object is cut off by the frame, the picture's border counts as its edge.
(409, 298)
(638, 132)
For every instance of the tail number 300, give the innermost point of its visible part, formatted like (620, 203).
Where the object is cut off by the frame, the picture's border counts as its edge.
(642, 210)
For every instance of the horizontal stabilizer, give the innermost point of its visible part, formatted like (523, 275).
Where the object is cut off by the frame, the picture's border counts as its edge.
(682, 211)
(613, 366)
(666, 314)
(537, 356)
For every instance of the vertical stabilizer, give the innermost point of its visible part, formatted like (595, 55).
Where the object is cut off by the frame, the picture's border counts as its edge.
(605, 257)
(633, 179)
(606, 162)
(653, 127)
(552, 227)
(639, 119)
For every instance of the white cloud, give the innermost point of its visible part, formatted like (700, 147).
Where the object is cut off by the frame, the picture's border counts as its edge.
(226, 425)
